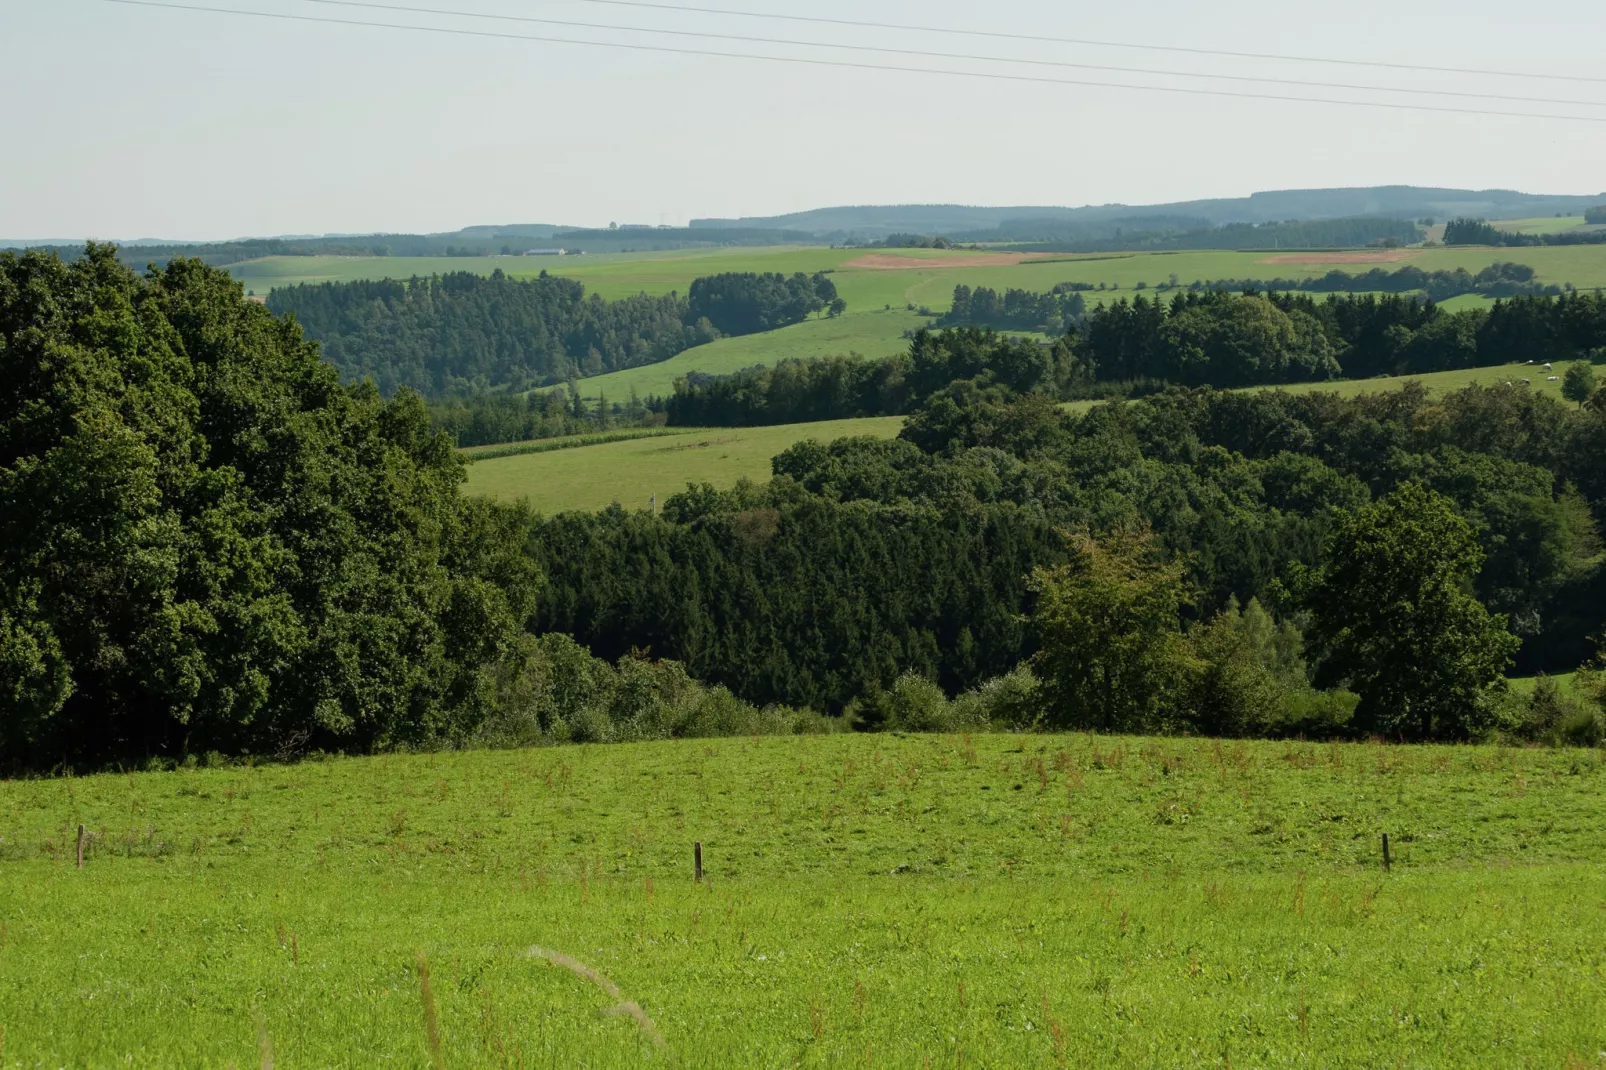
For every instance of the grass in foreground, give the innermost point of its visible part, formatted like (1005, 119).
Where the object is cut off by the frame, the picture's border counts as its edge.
(633, 472)
(884, 901)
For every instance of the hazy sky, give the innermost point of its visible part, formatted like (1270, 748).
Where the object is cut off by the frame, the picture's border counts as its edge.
(134, 122)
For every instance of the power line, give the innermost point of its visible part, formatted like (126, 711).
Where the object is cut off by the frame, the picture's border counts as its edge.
(1096, 43)
(852, 65)
(961, 55)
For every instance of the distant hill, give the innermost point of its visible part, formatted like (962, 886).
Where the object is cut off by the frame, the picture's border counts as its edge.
(1059, 225)
(1394, 202)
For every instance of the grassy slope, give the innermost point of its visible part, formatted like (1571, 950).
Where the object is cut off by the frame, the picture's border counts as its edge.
(869, 334)
(631, 473)
(883, 901)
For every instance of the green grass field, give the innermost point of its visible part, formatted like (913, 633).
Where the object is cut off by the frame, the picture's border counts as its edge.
(872, 334)
(632, 473)
(869, 901)
(920, 276)
(1441, 382)
(1567, 681)
(1545, 225)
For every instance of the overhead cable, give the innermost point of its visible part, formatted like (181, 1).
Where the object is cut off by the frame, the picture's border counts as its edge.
(923, 54)
(1096, 43)
(853, 65)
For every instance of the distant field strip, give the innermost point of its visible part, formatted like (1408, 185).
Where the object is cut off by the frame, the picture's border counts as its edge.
(570, 442)
(635, 472)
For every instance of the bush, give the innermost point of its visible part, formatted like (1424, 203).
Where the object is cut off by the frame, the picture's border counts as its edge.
(551, 690)
(915, 704)
(1011, 702)
(1546, 710)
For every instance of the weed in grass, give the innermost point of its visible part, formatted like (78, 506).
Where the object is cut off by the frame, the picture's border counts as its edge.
(432, 1028)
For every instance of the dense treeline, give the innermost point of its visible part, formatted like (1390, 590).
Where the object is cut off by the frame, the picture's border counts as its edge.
(1480, 232)
(739, 303)
(1313, 234)
(475, 241)
(914, 241)
(1496, 280)
(1063, 307)
(867, 558)
(1217, 339)
(1024, 310)
(491, 419)
(835, 388)
(1595, 216)
(207, 542)
(1199, 338)
(462, 334)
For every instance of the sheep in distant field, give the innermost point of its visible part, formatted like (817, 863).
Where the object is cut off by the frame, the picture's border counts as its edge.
(1547, 367)
(1554, 379)
(1527, 382)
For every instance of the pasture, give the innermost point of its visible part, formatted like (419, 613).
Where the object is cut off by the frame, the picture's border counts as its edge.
(633, 472)
(893, 901)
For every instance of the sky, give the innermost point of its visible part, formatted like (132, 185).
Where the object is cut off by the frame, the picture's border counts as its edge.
(133, 122)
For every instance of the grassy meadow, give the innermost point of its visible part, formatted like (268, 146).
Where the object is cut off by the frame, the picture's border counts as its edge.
(633, 472)
(876, 333)
(870, 900)
(1547, 225)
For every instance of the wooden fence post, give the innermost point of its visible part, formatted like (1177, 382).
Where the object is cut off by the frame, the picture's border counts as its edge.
(80, 847)
(697, 857)
(1386, 862)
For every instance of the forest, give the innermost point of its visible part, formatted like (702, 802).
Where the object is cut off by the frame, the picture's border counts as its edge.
(461, 334)
(1197, 338)
(1016, 309)
(1129, 235)
(1062, 307)
(208, 542)
(1496, 280)
(1481, 232)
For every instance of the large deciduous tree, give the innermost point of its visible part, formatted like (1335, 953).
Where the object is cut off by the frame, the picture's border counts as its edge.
(1393, 614)
(1113, 656)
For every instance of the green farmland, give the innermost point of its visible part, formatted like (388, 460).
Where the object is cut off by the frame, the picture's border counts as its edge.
(876, 333)
(633, 472)
(1547, 225)
(869, 901)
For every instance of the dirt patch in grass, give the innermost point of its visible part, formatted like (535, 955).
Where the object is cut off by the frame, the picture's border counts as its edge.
(1370, 256)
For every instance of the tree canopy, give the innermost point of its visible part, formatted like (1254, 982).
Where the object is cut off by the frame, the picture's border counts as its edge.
(746, 302)
(1394, 617)
(206, 541)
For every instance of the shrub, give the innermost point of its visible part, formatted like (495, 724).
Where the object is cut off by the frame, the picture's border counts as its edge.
(551, 690)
